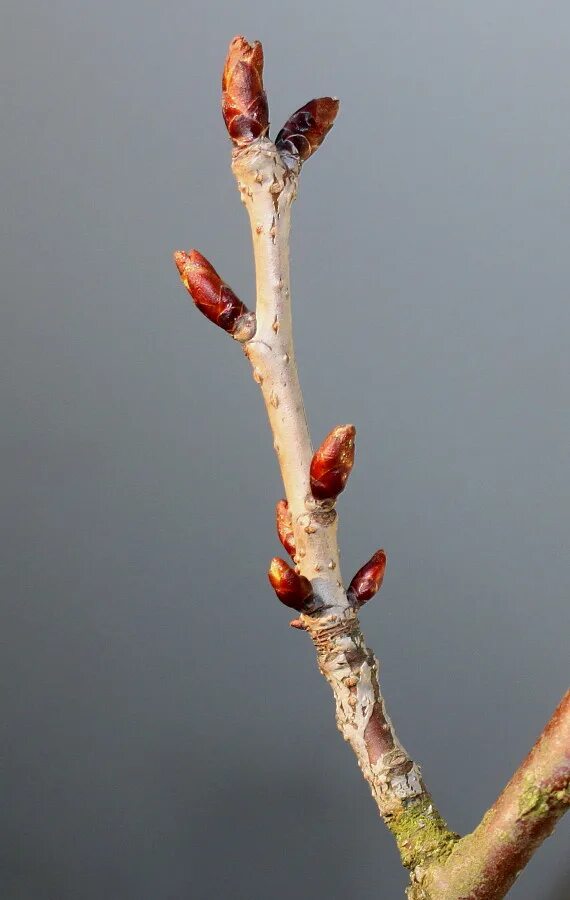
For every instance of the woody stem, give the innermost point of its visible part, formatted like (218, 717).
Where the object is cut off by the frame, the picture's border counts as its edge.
(268, 187)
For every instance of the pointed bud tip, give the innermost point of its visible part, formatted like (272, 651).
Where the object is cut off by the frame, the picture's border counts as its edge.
(285, 527)
(328, 107)
(179, 257)
(182, 261)
(239, 41)
(239, 45)
(184, 258)
(278, 570)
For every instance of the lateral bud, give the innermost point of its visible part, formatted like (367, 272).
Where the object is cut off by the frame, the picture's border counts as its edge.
(244, 102)
(368, 580)
(213, 297)
(304, 131)
(285, 527)
(332, 463)
(294, 590)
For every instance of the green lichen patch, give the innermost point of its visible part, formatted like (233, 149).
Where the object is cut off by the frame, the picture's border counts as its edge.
(536, 802)
(421, 834)
(533, 802)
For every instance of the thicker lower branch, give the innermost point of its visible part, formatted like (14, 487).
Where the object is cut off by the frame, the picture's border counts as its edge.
(484, 864)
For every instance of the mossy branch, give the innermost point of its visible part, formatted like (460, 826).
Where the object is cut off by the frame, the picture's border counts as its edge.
(484, 865)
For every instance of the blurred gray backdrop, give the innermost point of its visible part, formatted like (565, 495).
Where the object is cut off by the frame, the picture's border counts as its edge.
(167, 736)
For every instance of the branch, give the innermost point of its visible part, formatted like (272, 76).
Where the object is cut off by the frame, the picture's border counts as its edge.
(267, 175)
(485, 864)
(268, 187)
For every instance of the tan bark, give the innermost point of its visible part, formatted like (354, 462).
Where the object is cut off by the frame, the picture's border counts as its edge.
(267, 183)
(484, 864)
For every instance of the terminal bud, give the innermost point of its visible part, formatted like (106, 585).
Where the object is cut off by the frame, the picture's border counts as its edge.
(244, 102)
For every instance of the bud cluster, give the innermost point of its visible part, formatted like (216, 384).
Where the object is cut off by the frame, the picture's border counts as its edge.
(246, 111)
(246, 115)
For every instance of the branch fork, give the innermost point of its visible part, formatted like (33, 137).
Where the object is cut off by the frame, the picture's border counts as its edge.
(442, 866)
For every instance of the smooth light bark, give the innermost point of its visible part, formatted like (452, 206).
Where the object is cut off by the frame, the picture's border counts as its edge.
(267, 181)
(443, 866)
(482, 865)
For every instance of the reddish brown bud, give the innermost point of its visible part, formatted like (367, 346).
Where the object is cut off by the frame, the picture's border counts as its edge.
(212, 297)
(296, 623)
(292, 589)
(368, 580)
(244, 103)
(332, 463)
(306, 129)
(284, 526)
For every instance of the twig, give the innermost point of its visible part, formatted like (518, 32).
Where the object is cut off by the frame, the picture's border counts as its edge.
(267, 174)
(267, 181)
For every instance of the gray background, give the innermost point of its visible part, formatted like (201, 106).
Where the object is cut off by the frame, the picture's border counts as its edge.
(167, 735)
